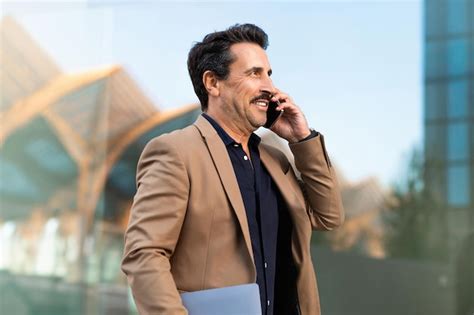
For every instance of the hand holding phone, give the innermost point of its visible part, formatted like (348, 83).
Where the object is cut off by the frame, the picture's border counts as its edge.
(293, 127)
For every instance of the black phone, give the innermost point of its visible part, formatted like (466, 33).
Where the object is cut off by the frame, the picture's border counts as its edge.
(272, 114)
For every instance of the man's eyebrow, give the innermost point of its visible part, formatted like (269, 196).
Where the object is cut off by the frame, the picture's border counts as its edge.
(258, 69)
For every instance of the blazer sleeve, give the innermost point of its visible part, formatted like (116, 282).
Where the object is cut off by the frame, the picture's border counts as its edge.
(319, 183)
(156, 218)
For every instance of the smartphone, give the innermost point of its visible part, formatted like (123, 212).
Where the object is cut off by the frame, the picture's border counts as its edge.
(272, 114)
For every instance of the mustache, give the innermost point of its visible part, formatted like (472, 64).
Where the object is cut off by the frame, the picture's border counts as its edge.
(264, 96)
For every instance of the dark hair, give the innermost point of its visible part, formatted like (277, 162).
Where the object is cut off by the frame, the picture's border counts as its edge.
(213, 54)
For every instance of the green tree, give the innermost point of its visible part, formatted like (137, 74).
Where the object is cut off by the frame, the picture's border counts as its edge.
(415, 221)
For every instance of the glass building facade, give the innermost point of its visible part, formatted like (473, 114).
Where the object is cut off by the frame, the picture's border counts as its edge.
(449, 111)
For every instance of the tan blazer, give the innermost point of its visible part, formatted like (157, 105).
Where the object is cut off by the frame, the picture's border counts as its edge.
(188, 228)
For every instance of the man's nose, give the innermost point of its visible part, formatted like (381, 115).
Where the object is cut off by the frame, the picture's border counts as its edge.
(267, 86)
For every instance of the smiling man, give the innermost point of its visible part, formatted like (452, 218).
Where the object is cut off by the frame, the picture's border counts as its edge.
(215, 207)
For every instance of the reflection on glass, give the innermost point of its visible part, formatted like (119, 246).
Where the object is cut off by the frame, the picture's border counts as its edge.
(458, 52)
(458, 185)
(435, 136)
(435, 55)
(458, 141)
(458, 98)
(7, 232)
(457, 16)
(434, 101)
(434, 17)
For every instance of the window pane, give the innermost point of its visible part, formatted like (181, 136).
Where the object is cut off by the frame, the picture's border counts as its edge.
(457, 99)
(434, 17)
(457, 56)
(458, 185)
(434, 101)
(436, 181)
(435, 58)
(434, 144)
(458, 145)
(457, 16)
(471, 53)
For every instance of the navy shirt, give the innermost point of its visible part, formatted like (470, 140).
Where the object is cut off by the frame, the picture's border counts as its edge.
(268, 221)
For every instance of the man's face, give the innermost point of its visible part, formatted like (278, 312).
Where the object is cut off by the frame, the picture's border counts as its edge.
(245, 93)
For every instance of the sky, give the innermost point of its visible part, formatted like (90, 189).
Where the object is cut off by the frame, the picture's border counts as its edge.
(354, 67)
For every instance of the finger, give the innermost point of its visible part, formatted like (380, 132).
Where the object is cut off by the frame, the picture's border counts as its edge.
(289, 107)
(281, 97)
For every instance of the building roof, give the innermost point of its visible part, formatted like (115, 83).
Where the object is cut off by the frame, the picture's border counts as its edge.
(62, 135)
(25, 66)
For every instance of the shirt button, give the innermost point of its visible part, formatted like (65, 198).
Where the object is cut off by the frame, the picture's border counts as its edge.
(236, 145)
(266, 265)
(268, 302)
(245, 158)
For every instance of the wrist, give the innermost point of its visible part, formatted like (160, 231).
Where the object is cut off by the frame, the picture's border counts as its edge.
(312, 133)
(305, 135)
(300, 137)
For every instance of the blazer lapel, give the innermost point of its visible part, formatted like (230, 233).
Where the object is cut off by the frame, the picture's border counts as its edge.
(287, 190)
(225, 169)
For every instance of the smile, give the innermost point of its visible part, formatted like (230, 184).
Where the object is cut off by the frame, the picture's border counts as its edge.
(263, 104)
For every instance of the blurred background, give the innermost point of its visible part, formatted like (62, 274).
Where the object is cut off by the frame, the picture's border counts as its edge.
(86, 84)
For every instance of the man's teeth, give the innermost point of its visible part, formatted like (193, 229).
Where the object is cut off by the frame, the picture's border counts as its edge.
(261, 103)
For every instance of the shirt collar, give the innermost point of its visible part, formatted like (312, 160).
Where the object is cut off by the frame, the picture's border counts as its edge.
(254, 140)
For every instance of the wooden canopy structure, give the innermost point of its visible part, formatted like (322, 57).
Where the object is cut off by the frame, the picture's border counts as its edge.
(68, 140)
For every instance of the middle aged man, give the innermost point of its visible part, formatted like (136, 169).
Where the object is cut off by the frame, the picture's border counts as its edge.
(214, 206)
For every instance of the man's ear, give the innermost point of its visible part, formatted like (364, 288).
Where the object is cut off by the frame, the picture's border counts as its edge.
(211, 83)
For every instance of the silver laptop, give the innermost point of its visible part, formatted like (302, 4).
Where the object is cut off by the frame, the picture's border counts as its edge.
(235, 300)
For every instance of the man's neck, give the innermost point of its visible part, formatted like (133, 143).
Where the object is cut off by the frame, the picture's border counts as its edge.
(235, 133)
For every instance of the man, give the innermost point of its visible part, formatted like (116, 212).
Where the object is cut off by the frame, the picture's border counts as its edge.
(214, 206)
